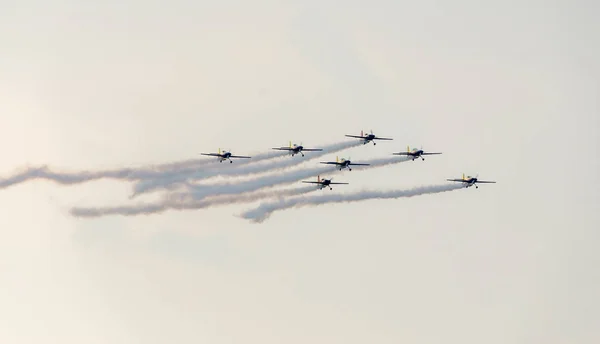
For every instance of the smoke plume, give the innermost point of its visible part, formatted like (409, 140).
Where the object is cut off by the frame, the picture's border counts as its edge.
(182, 201)
(262, 212)
(168, 179)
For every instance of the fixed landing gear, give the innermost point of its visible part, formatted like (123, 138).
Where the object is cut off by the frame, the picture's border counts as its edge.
(476, 187)
(423, 159)
(302, 154)
(330, 189)
(349, 169)
(231, 161)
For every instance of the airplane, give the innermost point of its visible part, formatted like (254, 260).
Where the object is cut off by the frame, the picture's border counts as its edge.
(295, 149)
(323, 182)
(225, 155)
(343, 163)
(415, 153)
(368, 138)
(470, 181)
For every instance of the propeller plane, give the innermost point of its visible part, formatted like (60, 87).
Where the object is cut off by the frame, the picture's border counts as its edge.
(226, 155)
(415, 153)
(323, 183)
(297, 149)
(343, 163)
(369, 137)
(470, 181)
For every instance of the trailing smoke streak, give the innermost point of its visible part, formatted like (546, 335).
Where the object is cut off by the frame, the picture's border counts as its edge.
(232, 188)
(202, 196)
(202, 191)
(262, 212)
(131, 174)
(145, 186)
(185, 202)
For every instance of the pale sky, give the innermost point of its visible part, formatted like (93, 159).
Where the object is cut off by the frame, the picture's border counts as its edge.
(506, 89)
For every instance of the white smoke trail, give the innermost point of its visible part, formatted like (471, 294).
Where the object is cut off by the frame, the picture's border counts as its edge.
(201, 191)
(129, 173)
(181, 176)
(262, 212)
(202, 196)
(185, 202)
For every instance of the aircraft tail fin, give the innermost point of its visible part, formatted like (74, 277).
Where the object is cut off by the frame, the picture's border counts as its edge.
(361, 133)
(463, 176)
(290, 144)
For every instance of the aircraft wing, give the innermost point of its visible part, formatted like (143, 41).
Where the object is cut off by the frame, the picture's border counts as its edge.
(311, 182)
(337, 183)
(240, 156)
(211, 154)
(356, 136)
(382, 138)
(484, 181)
(456, 180)
(353, 164)
(284, 148)
(312, 149)
(430, 153)
(401, 153)
(331, 163)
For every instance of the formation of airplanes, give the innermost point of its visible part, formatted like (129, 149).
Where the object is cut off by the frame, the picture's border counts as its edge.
(294, 149)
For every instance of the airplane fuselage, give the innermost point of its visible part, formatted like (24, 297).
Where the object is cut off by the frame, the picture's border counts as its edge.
(297, 150)
(345, 164)
(470, 182)
(368, 138)
(225, 156)
(416, 154)
(325, 183)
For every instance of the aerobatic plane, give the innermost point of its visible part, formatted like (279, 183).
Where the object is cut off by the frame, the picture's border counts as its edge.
(343, 163)
(470, 181)
(323, 183)
(225, 155)
(369, 137)
(415, 153)
(297, 149)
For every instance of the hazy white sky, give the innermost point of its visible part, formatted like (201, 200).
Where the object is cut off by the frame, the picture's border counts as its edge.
(505, 89)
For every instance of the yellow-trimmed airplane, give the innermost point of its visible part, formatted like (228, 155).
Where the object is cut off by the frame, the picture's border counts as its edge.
(415, 153)
(343, 163)
(323, 183)
(297, 149)
(369, 137)
(470, 181)
(225, 155)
